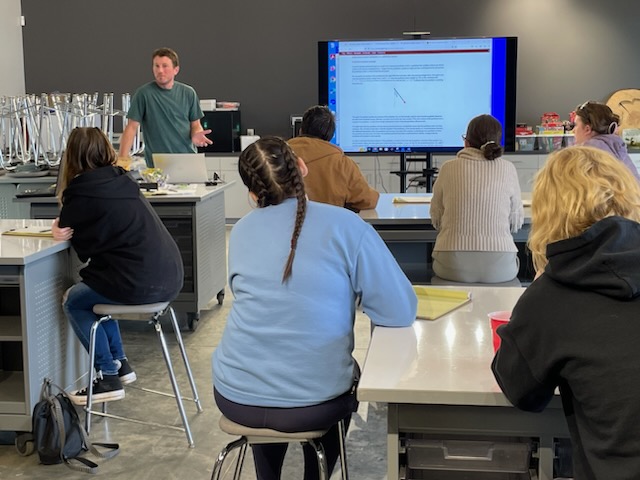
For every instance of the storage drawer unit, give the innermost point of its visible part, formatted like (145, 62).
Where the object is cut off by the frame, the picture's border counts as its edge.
(468, 455)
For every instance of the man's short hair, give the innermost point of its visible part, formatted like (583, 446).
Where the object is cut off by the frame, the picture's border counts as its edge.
(166, 52)
(318, 121)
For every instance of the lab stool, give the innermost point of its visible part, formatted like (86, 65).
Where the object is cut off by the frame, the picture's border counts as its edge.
(251, 436)
(149, 313)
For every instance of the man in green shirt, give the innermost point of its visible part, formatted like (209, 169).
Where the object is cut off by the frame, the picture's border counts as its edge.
(169, 112)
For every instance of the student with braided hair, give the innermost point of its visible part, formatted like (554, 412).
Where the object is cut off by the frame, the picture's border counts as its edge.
(296, 270)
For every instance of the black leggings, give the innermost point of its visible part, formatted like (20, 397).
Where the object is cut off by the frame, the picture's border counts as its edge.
(269, 458)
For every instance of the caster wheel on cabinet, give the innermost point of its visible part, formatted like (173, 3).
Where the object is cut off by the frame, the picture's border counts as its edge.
(192, 321)
(24, 444)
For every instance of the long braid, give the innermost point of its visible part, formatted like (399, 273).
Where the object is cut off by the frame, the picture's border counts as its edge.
(298, 186)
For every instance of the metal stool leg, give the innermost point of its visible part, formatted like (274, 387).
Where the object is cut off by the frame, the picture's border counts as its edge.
(323, 469)
(343, 451)
(240, 461)
(217, 466)
(174, 383)
(185, 359)
(92, 358)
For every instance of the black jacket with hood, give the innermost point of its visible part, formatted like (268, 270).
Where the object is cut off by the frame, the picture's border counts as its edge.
(578, 327)
(132, 257)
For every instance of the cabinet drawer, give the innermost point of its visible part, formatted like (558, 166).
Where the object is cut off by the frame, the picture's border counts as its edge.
(468, 455)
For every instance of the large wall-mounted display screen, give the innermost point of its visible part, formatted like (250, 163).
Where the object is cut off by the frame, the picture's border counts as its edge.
(416, 95)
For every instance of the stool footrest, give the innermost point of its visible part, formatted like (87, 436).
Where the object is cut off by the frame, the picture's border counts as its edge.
(134, 420)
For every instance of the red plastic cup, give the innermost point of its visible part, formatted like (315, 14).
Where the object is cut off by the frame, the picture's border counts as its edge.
(497, 319)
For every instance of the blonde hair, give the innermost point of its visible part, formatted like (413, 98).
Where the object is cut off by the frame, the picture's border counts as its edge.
(577, 187)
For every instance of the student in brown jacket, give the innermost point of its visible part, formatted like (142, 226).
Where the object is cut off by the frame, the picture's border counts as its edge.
(333, 177)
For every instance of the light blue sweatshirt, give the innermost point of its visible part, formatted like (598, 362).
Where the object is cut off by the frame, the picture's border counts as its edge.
(290, 345)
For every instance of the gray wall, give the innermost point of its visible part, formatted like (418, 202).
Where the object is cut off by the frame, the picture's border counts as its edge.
(263, 53)
(11, 58)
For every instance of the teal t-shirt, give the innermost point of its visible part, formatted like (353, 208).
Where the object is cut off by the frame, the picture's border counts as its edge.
(165, 117)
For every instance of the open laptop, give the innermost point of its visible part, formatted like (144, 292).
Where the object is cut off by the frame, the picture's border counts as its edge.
(182, 167)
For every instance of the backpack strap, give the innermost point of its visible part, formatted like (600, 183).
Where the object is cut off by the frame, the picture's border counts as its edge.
(113, 449)
(45, 391)
(88, 466)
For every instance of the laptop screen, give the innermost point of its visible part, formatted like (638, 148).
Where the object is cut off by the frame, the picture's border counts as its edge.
(182, 167)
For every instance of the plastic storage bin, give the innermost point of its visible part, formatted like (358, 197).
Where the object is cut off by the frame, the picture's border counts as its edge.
(467, 455)
(525, 143)
(549, 143)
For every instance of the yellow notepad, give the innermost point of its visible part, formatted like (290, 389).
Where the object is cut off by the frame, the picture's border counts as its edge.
(412, 199)
(30, 232)
(435, 302)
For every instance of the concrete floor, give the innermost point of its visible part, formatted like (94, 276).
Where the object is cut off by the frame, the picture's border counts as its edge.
(162, 454)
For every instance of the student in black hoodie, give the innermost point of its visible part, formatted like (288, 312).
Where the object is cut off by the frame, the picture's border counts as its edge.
(132, 258)
(577, 327)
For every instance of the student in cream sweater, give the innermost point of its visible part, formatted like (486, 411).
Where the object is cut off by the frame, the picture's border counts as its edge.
(476, 207)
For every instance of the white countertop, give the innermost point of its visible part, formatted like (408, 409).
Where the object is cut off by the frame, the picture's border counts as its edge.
(444, 361)
(387, 210)
(201, 193)
(397, 213)
(16, 250)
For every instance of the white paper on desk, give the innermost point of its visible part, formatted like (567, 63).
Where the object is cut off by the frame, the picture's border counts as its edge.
(424, 199)
(177, 189)
(182, 188)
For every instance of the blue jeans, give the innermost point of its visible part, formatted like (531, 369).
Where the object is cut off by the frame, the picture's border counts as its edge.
(78, 306)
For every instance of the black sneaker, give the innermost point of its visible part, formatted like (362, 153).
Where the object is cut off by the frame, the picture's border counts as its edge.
(105, 388)
(125, 372)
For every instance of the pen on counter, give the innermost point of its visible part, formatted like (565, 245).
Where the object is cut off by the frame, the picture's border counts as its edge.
(46, 230)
